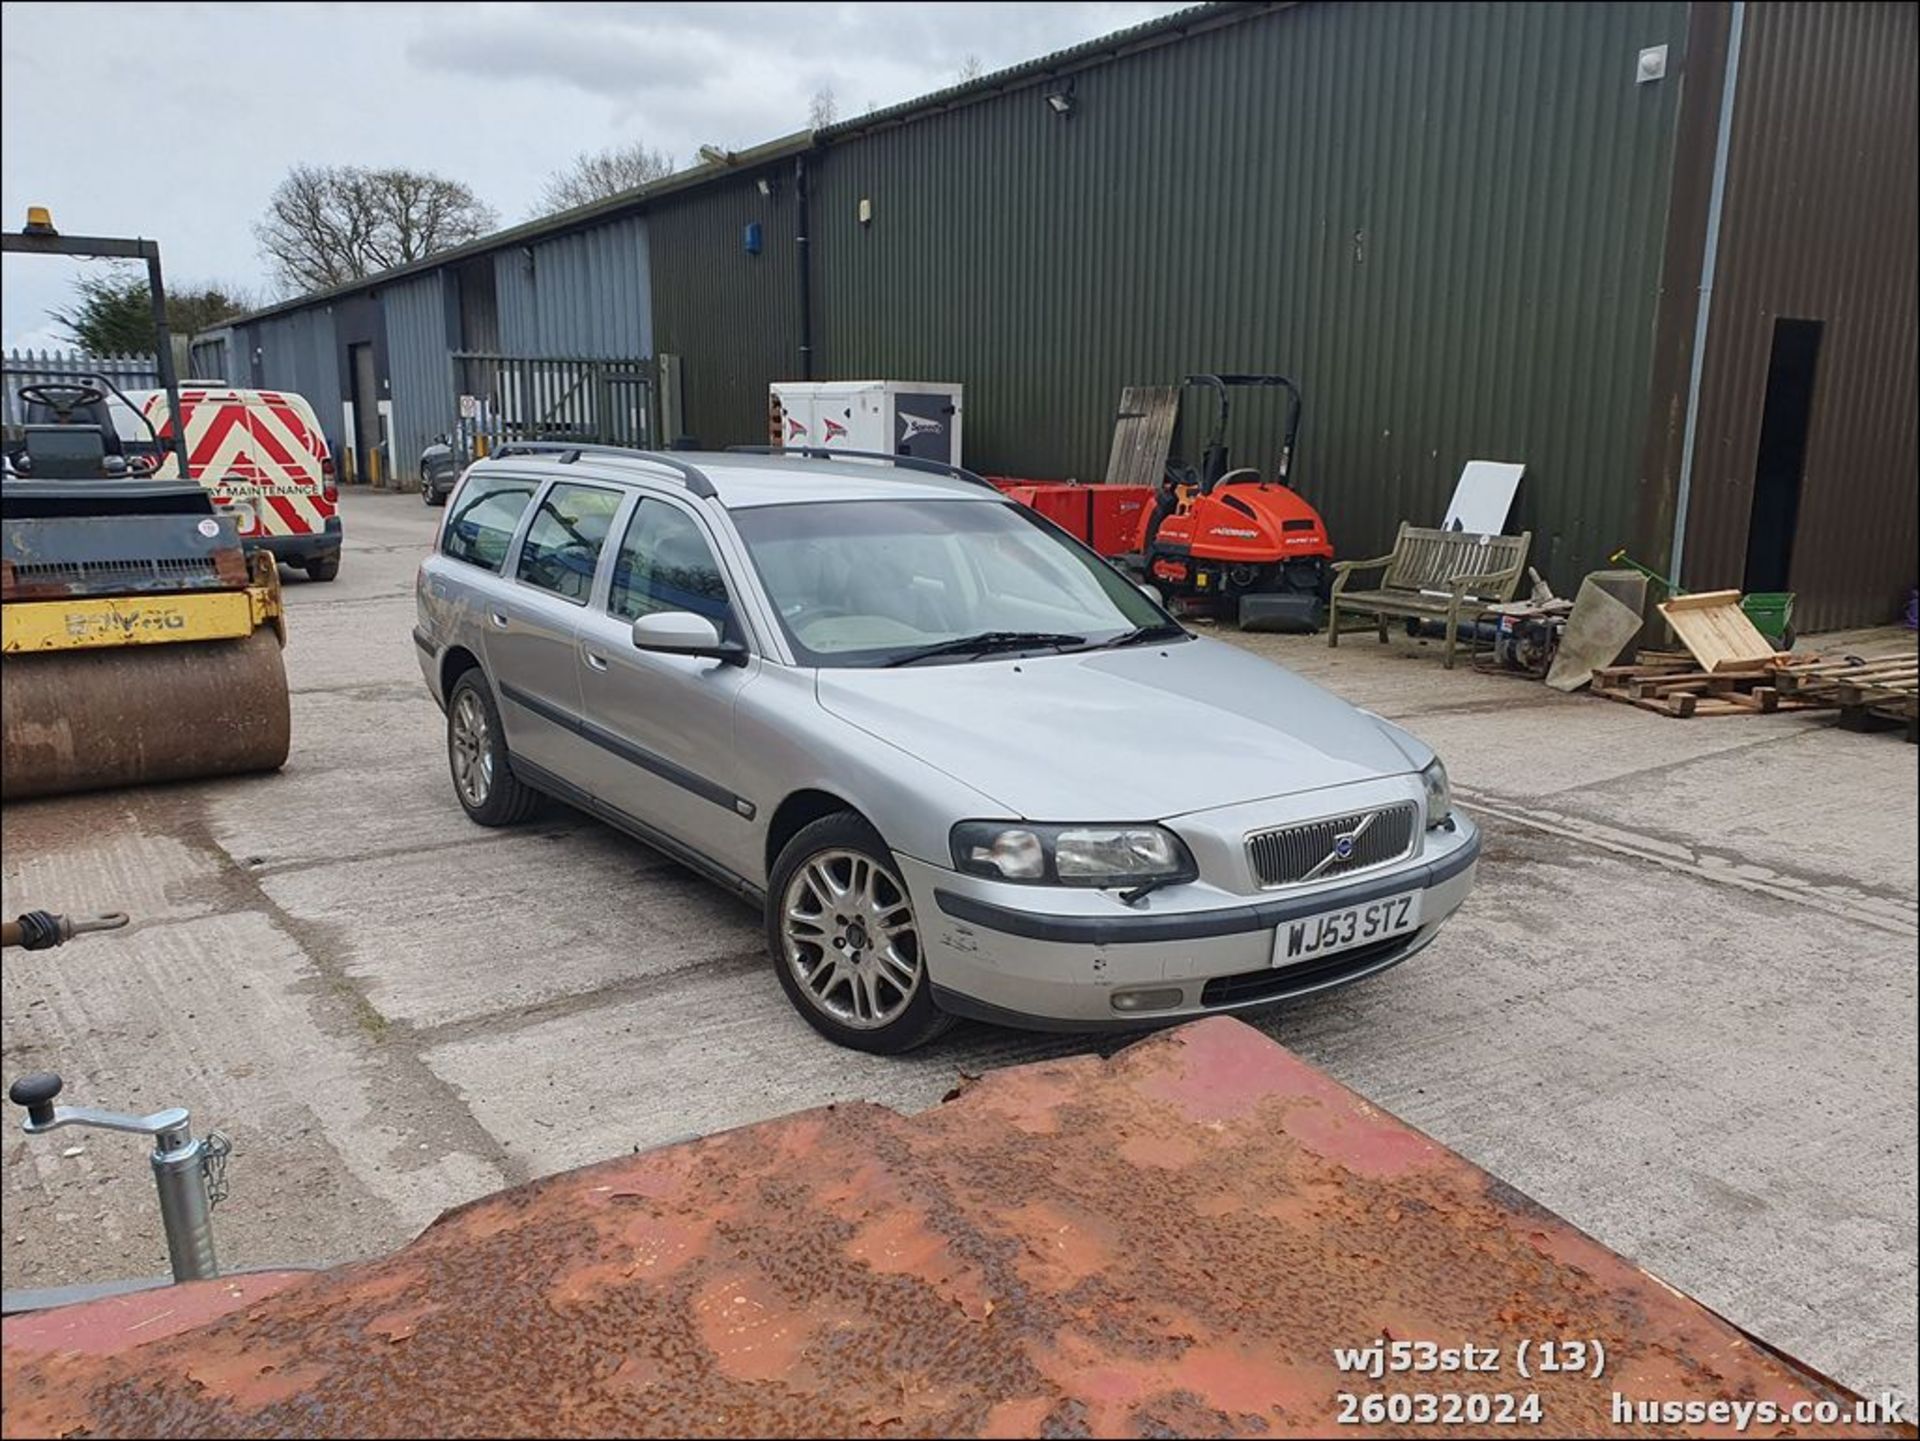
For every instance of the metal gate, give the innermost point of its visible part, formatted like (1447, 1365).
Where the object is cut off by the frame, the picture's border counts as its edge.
(502, 398)
(26, 367)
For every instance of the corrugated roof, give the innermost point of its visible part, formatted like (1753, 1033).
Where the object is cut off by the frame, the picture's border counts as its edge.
(1104, 47)
(549, 226)
(1089, 52)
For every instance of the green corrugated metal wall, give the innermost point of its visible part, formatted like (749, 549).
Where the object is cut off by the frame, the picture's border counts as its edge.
(733, 317)
(1444, 220)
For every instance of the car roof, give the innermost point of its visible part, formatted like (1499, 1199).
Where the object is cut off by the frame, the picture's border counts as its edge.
(743, 481)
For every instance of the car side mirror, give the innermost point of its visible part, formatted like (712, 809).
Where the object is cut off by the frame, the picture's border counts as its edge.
(681, 632)
(1151, 592)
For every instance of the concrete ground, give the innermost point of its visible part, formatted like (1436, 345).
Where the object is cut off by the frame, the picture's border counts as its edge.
(1680, 1009)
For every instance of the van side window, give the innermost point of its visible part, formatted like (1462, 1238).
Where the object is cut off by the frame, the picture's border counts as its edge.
(666, 564)
(482, 526)
(562, 548)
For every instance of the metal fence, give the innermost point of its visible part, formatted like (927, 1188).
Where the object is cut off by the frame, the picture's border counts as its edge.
(27, 367)
(501, 398)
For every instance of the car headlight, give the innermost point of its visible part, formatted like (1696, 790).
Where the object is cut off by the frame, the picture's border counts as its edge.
(1071, 855)
(1439, 797)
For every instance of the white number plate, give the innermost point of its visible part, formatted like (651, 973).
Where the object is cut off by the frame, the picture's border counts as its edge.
(1331, 931)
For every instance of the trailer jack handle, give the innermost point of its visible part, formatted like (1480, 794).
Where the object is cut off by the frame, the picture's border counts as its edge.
(189, 1171)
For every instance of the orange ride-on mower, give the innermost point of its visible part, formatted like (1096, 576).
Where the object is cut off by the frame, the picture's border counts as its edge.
(1232, 542)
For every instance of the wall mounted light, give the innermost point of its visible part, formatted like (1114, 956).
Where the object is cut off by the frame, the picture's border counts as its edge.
(766, 185)
(1060, 99)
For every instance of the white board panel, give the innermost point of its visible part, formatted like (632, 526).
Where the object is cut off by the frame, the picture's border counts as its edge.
(1483, 497)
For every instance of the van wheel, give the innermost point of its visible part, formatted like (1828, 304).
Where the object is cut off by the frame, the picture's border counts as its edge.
(325, 569)
(490, 793)
(845, 941)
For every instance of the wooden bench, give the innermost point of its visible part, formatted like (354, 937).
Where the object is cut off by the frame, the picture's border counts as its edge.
(1432, 575)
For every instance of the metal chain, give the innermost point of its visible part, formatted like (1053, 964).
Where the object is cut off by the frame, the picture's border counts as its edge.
(214, 1150)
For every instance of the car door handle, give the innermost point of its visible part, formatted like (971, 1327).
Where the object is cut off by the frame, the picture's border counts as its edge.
(594, 659)
(498, 619)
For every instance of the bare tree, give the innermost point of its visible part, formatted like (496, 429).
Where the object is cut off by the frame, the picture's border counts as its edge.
(601, 175)
(970, 69)
(327, 225)
(823, 109)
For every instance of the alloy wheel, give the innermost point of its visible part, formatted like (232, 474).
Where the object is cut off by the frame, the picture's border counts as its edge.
(850, 938)
(472, 750)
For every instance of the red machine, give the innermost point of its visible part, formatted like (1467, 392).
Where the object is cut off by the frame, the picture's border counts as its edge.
(1219, 536)
(1106, 517)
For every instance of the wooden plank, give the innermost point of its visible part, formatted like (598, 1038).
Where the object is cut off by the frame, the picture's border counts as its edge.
(1142, 434)
(1702, 600)
(1892, 676)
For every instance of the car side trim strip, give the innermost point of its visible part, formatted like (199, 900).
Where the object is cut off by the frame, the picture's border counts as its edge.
(635, 755)
(544, 780)
(1197, 925)
(423, 640)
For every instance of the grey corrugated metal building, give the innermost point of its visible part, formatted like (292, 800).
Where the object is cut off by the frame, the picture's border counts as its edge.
(1468, 231)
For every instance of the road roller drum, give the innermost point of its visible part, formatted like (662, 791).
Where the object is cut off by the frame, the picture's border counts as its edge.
(98, 718)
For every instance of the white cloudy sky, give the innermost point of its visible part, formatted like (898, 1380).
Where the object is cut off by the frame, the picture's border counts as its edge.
(176, 120)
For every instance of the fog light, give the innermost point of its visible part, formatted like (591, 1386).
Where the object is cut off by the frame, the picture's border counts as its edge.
(1161, 1000)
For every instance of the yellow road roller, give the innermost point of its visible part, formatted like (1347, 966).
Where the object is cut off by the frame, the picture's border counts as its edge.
(137, 642)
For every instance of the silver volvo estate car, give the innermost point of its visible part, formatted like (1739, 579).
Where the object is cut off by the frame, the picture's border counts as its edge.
(965, 764)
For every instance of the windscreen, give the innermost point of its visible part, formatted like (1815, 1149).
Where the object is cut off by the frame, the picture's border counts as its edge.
(870, 582)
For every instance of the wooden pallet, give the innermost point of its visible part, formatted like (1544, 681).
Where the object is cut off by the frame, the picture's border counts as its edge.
(1712, 626)
(1868, 693)
(1678, 687)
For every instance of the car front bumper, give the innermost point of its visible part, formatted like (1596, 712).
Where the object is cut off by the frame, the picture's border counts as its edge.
(1018, 955)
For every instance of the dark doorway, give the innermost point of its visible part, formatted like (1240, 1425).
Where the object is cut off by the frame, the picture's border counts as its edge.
(366, 412)
(1781, 462)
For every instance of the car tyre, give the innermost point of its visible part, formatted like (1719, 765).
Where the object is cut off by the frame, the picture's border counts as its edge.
(323, 569)
(845, 941)
(483, 779)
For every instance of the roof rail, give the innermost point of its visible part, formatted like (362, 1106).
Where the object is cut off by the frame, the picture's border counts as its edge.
(568, 451)
(904, 462)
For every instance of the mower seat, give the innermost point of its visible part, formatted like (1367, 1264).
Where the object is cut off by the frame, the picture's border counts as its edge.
(65, 452)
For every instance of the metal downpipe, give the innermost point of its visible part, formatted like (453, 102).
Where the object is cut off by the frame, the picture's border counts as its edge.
(1723, 145)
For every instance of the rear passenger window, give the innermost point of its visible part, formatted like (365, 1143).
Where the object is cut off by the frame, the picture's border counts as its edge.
(562, 547)
(485, 518)
(666, 564)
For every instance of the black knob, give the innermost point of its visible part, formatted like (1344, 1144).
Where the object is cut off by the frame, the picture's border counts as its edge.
(36, 1093)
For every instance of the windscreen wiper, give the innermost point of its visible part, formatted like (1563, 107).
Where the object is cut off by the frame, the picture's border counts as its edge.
(1146, 635)
(988, 641)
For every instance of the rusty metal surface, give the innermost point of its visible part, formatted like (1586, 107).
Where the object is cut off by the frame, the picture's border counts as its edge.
(1168, 1242)
(93, 719)
(114, 1323)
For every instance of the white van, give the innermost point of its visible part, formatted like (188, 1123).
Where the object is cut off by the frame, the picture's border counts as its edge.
(264, 457)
